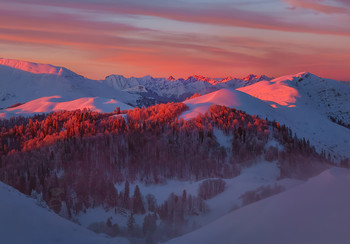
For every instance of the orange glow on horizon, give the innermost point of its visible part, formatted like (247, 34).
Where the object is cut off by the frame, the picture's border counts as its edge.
(133, 39)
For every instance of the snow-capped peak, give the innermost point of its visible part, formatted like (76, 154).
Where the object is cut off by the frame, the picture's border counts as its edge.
(253, 77)
(35, 68)
(171, 78)
(226, 79)
(249, 77)
(297, 77)
(148, 77)
(195, 78)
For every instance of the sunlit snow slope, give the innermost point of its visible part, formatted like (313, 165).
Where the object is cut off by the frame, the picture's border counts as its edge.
(329, 97)
(229, 98)
(25, 81)
(304, 102)
(23, 221)
(32, 67)
(56, 103)
(302, 117)
(308, 213)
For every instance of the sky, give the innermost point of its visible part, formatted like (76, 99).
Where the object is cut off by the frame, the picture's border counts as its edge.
(215, 38)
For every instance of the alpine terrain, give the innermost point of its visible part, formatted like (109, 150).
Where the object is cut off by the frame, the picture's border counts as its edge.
(172, 160)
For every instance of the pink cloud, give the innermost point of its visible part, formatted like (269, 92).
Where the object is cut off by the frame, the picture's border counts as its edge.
(344, 2)
(207, 13)
(317, 6)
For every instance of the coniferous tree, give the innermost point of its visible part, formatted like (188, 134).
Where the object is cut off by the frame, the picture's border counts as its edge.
(137, 203)
(149, 226)
(149, 223)
(131, 224)
(126, 195)
(151, 202)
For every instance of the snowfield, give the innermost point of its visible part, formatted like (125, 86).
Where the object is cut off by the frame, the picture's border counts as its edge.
(313, 212)
(24, 221)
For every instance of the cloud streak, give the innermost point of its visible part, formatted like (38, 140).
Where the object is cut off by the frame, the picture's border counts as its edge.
(207, 13)
(318, 7)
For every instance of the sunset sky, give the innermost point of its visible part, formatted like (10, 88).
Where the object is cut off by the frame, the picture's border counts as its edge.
(215, 38)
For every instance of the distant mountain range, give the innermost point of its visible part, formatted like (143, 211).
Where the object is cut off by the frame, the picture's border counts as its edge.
(33, 81)
(163, 90)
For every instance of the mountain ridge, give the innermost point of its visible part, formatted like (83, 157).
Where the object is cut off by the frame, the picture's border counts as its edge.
(35, 68)
(295, 100)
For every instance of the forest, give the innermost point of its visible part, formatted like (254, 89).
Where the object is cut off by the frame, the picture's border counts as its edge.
(73, 159)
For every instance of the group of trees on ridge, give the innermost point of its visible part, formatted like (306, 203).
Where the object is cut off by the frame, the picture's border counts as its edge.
(75, 158)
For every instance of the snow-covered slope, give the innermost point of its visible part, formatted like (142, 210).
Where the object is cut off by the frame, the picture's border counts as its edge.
(23, 81)
(297, 101)
(57, 103)
(329, 97)
(309, 213)
(258, 175)
(230, 98)
(304, 103)
(34, 67)
(23, 221)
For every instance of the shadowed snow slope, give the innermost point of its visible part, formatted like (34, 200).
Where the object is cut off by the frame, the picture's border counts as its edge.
(23, 221)
(229, 98)
(308, 213)
(56, 103)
